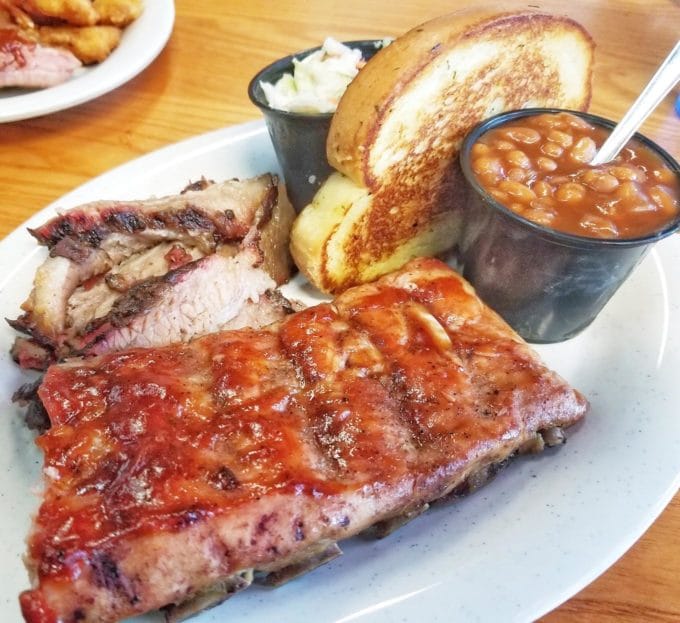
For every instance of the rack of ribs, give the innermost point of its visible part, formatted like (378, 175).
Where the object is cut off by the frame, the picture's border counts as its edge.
(176, 475)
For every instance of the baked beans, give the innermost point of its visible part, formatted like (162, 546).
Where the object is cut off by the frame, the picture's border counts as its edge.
(538, 167)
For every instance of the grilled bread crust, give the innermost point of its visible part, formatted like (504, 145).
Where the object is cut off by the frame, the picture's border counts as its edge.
(396, 135)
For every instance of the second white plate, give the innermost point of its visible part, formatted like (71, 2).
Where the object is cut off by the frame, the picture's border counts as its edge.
(141, 43)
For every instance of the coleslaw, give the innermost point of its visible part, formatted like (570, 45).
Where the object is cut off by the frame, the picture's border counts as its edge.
(318, 80)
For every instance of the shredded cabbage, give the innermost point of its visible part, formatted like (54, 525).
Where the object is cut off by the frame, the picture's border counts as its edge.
(318, 80)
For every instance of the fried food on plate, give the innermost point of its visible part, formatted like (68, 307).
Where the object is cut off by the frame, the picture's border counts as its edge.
(90, 44)
(76, 12)
(89, 29)
(117, 12)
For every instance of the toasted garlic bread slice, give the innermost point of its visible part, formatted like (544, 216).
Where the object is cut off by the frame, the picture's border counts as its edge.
(397, 131)
(338, 215)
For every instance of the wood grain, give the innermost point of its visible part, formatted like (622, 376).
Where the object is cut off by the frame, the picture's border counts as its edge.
(199, 82)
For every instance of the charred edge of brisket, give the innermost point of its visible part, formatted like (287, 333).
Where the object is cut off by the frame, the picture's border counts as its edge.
(128, 222)
(139, 298)
(35, 416)
(71, 249)
(30, 354)
(321, 556)
(22, 324)
(72, 236)
(27, 392)
(90, 238)
(208, 598)
(192, 218)
(269, 202)
(198, 185)
(87, 230)
(49, 235)
(222, 226)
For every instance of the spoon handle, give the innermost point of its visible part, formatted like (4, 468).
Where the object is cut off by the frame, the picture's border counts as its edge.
(658, 87)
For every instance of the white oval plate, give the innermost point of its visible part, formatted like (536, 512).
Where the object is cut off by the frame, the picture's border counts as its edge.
(141, 43)
(543, 529)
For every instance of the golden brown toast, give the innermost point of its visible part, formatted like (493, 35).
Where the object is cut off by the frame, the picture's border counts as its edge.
(395, 137)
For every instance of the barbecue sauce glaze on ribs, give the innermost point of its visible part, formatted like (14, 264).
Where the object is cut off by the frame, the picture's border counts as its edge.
(170, 469)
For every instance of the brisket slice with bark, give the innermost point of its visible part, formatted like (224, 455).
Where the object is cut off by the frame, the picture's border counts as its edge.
(206, 214)
(176, 475)
(111, 256)
(200, 297)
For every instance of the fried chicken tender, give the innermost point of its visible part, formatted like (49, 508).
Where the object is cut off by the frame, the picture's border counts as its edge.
(90, 29)
(11, 14)
(5, 17)
(117, 12)
(76, 12)
(90, 44)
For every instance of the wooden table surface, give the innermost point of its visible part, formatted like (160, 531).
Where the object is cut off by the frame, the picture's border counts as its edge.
(198, 83)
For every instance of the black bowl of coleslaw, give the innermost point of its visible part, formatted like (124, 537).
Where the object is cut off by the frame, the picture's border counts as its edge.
(299, 134)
